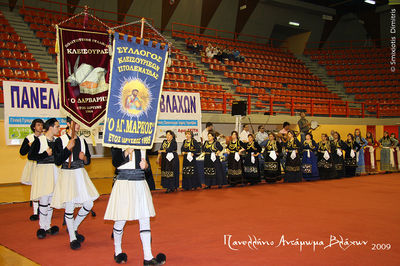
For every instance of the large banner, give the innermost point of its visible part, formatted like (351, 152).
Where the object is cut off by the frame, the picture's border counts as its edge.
(83, 74)
(25, 101)
(179, 112)
(137, 77)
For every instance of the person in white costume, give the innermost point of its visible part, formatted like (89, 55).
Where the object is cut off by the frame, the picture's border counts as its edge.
(131, 199)
(74, 187)
(26, 177)
(44, 176)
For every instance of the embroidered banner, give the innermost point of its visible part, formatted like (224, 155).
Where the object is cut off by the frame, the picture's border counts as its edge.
(83, 74)
(137, 77)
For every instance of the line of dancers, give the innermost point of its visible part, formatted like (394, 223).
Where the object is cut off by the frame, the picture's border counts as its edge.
(277, 157)
(56, 172)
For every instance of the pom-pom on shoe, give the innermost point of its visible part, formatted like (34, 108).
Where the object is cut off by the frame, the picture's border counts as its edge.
(121, 258)
(53, 230)
(34, 217)
(74, 244)
(158, 260)
(79, 237)
(41, 233)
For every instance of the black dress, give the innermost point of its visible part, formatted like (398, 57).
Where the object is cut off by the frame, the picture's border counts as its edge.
(213, 173)
(326, 167)
(169, 169)
(235, 173)
(292, 166)
(251, 169)
(351, 162)
(272, 168)
(339, 147)
(190, 175)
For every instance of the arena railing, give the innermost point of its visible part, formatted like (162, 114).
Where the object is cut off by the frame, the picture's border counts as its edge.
(63, 9)
(348, 44)
(314, 107)
(194, 31)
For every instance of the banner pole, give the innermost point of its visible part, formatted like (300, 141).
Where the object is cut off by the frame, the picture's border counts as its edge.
(141, 30)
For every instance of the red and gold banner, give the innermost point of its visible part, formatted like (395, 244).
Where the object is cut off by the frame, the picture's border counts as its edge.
(83, 74)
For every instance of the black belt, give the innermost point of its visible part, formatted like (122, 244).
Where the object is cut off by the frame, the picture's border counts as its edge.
(74, 165)
(130, 174)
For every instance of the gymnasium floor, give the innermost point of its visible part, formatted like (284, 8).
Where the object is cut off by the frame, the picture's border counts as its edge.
(210, 227)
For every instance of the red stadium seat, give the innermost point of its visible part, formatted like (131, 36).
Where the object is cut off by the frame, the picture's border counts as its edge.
(22, 47)
(8, 73)
(3, 63)
(6, 54)
(25, 65)
(14, 63)
(18, 55)
(11, 46)
(35, 65)
(43, 75)
(29, 57)
(31, 74)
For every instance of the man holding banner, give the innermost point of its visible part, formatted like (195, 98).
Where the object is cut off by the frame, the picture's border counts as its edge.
(137, 76)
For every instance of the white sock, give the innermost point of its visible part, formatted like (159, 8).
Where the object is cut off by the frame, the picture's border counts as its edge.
(49, 213)
(145, 236)
(83, 212)
(118, 231)
(43, 211)
(69, 220)
(35, 206)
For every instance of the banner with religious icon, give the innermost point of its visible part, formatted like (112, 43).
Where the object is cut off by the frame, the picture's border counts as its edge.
(83, 73)
(137, 76)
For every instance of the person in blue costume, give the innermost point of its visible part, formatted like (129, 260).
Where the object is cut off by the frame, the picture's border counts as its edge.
(338, 154)
(309, 166)
(213, 172)
(169, 163)
(190, 150)
(293, 149)
(351, 155)
(360, 154)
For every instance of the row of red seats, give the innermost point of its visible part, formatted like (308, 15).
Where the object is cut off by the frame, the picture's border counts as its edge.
(274, 78)
(16, 55)
(375, 101)
(13, 46)
(372, 90)
(186, 71)
(341, 57)
(316, 101)
(349, 51)
(353, 61)
(353, 72)
(382, 79)
(326, 95)
(306, 88)
(374, 67)
(16, 64)
(378, 96)
(369, 83)
(5, 37)
(183, 63)
(263, 64)
(283, 71)
(7, 73)
(187, 78)
(182, 85)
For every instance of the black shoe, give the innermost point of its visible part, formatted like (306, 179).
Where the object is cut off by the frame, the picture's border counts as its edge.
(121, 258)
(219, 186)
(34, 217)
(41, 233)
(53, 230)
(75, 244)
(79, 237)
(158, 260)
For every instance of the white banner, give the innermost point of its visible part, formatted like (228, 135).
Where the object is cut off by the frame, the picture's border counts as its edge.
(25, 101)
(179, 112)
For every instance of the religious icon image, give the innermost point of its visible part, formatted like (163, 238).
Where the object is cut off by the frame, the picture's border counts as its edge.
(91, 80)
(135, 97)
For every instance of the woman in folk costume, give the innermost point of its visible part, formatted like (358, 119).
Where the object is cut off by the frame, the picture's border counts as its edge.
(169, 163)
(360, 154)
(45, 176)
(293, 163)
(234, 148)
(350, 158)
(26, 177)
(338, 154)
(251, 164)
(396, 151)
(272, 166)
(190, 150)
(213, 172)
(387, 153)
(326, 165)
(309, 166)
(370, 153)
(74, 187)
(130, 199)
